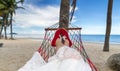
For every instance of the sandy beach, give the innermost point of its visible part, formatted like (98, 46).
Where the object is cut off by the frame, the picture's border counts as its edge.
(15, 53)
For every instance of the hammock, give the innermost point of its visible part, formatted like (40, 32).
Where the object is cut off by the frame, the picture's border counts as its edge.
(46, 50)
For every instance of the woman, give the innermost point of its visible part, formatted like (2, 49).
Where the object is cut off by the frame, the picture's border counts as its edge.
(65, 59)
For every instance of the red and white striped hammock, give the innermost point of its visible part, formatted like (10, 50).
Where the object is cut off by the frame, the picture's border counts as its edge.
(46, 50)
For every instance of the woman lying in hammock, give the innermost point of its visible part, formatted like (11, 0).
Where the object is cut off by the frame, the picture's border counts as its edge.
(65, 59)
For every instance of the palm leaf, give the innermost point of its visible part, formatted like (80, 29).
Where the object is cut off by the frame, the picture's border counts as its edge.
(21, 1)
(4, 2)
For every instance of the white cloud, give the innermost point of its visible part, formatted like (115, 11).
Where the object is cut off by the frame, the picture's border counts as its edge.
(33, 16)
(30, 31)
(76, 8)
(37, 16)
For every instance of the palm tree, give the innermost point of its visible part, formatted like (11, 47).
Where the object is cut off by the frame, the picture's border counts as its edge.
(108, 27)
(9, 6)
(14, 6)
(4, 10)
(4, 15)
(64, 14)
(4, 23)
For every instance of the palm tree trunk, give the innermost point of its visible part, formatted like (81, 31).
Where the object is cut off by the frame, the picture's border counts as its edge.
(64, 14)
(5, 24)
(5, 30)
(5, 27)
(11, 26)
(1, 31)
(108, 26)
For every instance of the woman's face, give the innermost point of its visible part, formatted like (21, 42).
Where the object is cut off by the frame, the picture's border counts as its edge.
(60, 44)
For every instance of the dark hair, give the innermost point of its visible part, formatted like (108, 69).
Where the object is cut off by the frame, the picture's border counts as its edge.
(62, 40)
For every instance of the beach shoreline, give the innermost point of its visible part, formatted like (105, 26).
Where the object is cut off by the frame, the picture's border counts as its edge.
(15, 53)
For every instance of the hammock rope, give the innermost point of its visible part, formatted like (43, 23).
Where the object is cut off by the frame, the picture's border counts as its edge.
(46, 50)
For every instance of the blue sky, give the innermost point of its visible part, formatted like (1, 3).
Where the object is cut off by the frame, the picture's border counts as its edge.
(89, 14)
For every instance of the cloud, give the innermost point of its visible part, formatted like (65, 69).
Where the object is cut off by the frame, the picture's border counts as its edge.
(32, 31)
(37, 16)
(34, 16)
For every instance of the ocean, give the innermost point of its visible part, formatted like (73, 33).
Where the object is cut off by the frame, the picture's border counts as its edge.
(115, 39)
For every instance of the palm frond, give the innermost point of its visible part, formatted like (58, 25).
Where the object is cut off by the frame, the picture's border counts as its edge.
(21, 1)
(20, 8)
(4, 2)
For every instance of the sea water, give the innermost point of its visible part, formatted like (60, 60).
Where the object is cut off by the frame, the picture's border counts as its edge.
(101, 38)
(85, 38)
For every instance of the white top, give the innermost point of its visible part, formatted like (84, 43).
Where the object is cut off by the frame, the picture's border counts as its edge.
(66, 59)
(66, 52)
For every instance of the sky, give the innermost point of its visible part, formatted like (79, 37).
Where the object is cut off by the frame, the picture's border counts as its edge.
(90, 15)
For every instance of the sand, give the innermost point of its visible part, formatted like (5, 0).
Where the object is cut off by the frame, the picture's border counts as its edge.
(15, 53)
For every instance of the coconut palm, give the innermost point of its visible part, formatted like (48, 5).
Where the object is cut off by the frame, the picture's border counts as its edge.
(4, 11)
(64, 14)
(4, 15)
(108, 26)
(14, 6)
(4, 24)
(10, 6)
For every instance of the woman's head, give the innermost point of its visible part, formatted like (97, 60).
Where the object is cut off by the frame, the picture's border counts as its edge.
(62, 41)
(61, 37)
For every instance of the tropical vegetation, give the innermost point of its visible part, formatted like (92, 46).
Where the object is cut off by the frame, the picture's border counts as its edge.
(7, 9)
